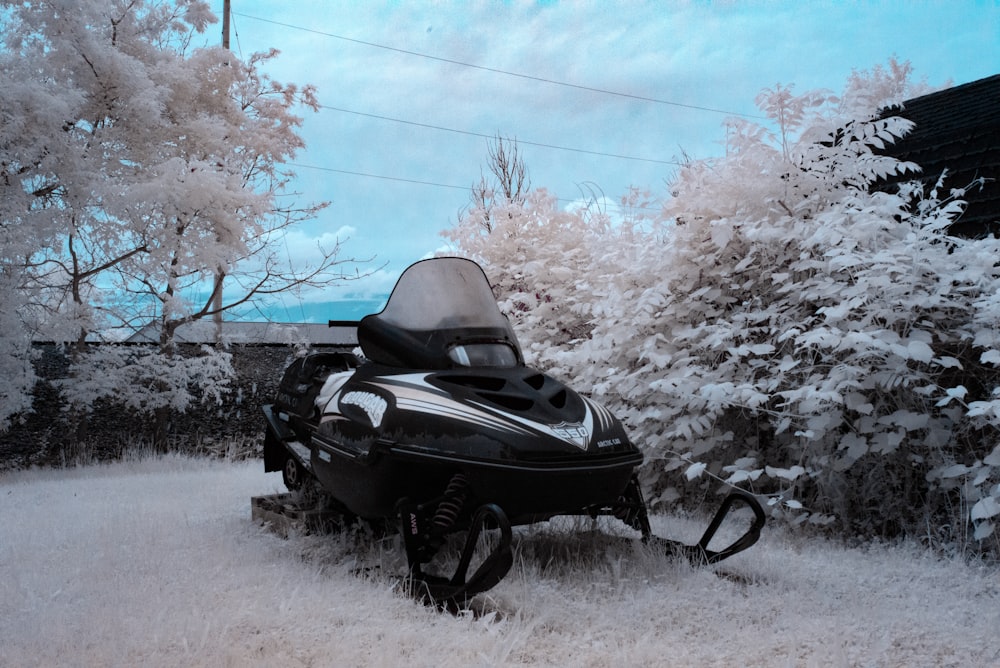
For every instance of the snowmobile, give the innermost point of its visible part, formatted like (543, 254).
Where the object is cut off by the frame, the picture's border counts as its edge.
(441, 428)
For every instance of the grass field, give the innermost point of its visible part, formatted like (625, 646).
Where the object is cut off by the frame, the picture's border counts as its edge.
(156, 562)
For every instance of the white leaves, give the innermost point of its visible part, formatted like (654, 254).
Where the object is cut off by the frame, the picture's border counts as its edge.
(988, 409)
(919, 351)
(990, 357)
(722, 233)
(856, 401)
(952, 393)
(885, 442)
(789, 474)
(754, 349)
(742, 476)
(908, 420)
(744, 264)
(948, 362)
(787, 363)
(787, 503)
(982, 475)
(695, 470)
(953, 471)
(855, 445)
(743, 470)
(993, 459)
(985, 508)
(983, 530)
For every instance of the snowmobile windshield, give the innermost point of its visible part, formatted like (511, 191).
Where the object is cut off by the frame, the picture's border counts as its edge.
(441, 314)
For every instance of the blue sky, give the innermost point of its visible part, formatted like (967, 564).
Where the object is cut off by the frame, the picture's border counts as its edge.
(411, 90)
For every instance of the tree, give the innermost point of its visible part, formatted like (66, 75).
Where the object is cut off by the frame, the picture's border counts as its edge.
(134, 167)
(532, 251)
(789, 327)
(509, 186)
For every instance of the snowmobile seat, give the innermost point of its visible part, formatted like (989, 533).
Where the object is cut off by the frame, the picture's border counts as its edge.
(305, 376)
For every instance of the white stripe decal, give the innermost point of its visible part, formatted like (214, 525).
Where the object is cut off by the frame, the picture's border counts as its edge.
(413, 393)
(459, 412)
(588, 426)
(604, 416)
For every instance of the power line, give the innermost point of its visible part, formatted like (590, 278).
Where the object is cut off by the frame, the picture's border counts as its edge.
(413, 181)
(239, 47)
(495, 70)
(519, 141)
(376, 176)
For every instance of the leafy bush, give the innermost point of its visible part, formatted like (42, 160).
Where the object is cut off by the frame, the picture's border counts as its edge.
(785, 324)
(146, 379)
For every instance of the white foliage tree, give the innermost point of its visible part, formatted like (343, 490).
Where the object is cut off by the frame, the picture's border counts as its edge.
(792, 327)
(137, 171)
(540, 257)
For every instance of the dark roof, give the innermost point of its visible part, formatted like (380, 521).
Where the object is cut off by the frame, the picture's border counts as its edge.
(258, 333)
(958, 129)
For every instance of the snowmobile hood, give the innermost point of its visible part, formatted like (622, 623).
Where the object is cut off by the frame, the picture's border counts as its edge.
(495, 414)
(442, 314)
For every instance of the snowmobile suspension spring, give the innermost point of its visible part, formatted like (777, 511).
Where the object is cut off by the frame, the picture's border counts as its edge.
(627, 511)
(623, 511)
(451, 504)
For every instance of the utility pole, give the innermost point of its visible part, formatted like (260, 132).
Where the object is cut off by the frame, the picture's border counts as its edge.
(220, 274)
(225, 24)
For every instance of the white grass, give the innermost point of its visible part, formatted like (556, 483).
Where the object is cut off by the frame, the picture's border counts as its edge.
(157, 563)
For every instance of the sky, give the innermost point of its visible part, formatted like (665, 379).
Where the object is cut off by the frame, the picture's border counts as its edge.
(601, 96)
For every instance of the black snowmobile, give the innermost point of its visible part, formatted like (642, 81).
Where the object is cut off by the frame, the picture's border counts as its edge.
(442, 428)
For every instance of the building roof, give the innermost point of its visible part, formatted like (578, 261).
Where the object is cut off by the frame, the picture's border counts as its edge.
(958, 129)
(254, 333)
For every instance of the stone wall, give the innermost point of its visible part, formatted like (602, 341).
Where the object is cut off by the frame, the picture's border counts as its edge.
(50, 436)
